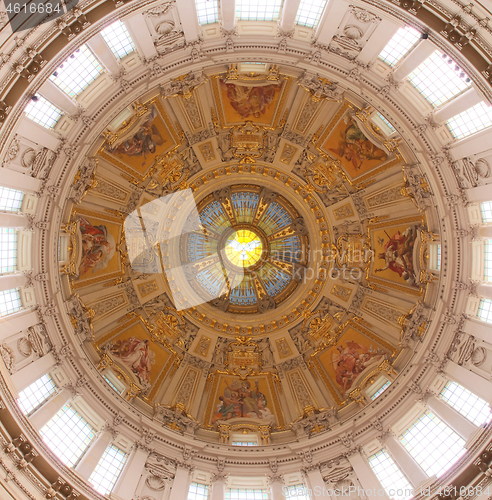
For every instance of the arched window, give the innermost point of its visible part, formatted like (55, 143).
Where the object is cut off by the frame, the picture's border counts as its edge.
(433, 445)
(43, 112)
(10, 199)
(465, 402)
(198, 491)
(33, 396)
(77, 72)
(68, 434)
(309, 12)
(485, 310)
(486, 211)
(208, 11)
(118, 39)
(390, 476)
(403, 40)
(10, 301)
(108, 469)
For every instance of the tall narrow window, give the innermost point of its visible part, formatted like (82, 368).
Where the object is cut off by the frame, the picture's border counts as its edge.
(208, 11)
(487, 247)
(390, 476)
(486, 209)
(8, 250)
(472, 120)
(77, 72)
(485, 310)
(297, 492)
(403, 40)
(197, 491)
(10, 301)
(433, 445)
(41, 111)
(118, 39)
(10, 199)
(32, 397)
(309, 12)
(258, 10)
(245, 494)
(465, 402)
(439, 78)
(387, 122)
(108, 469)
(68, 434)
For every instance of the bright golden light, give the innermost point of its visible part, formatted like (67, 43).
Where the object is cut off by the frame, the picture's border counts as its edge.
(243, 248)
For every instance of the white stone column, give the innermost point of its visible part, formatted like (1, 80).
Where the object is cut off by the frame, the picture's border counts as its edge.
(10, 325)
(412, 470)
(22, 182)
(104, 54)
(92, 456)
(472, 381)
(486, 231)
(228, 14)
(461, 425)
(289, 14)
(485, 290)
(189, 19)
(276, 488)
(381, 36)
(50, 408)
(455, 106)
(479, 329)
(12, 220)
(413, 60)
(58, 97)
(181, 484)
(218, 487)
(366, 476)
(10, 281)
(31, 372)
(140, 34)
(130, 475)
(479, 193)
(316, 483)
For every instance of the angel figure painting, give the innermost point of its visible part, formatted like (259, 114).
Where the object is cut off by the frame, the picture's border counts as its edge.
(136, 355)
(356, 152)
(139, 145)
(240, 399)
(351, 359)
(244, 102)
(396, 254)
(356, 353)
(98, 247)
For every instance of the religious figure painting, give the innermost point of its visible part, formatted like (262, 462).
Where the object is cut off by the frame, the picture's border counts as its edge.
(255, 101)
(142, 142)
(133, 349)
(96, 257)
(136, 354)
(353, 356)
(346, 141)
(394, 246)
(250, 398)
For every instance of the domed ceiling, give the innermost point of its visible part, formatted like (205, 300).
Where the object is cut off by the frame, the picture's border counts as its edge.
(249, 251)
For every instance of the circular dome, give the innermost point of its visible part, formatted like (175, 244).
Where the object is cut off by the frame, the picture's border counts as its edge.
(242, 239)
(247, 251)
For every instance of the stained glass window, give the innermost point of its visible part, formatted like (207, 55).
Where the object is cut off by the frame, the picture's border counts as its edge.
(244, 248)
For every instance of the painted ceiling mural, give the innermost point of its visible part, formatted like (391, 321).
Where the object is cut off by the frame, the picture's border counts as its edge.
(249, 252)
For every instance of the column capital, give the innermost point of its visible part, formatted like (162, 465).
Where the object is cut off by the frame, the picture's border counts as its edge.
(218, 477)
